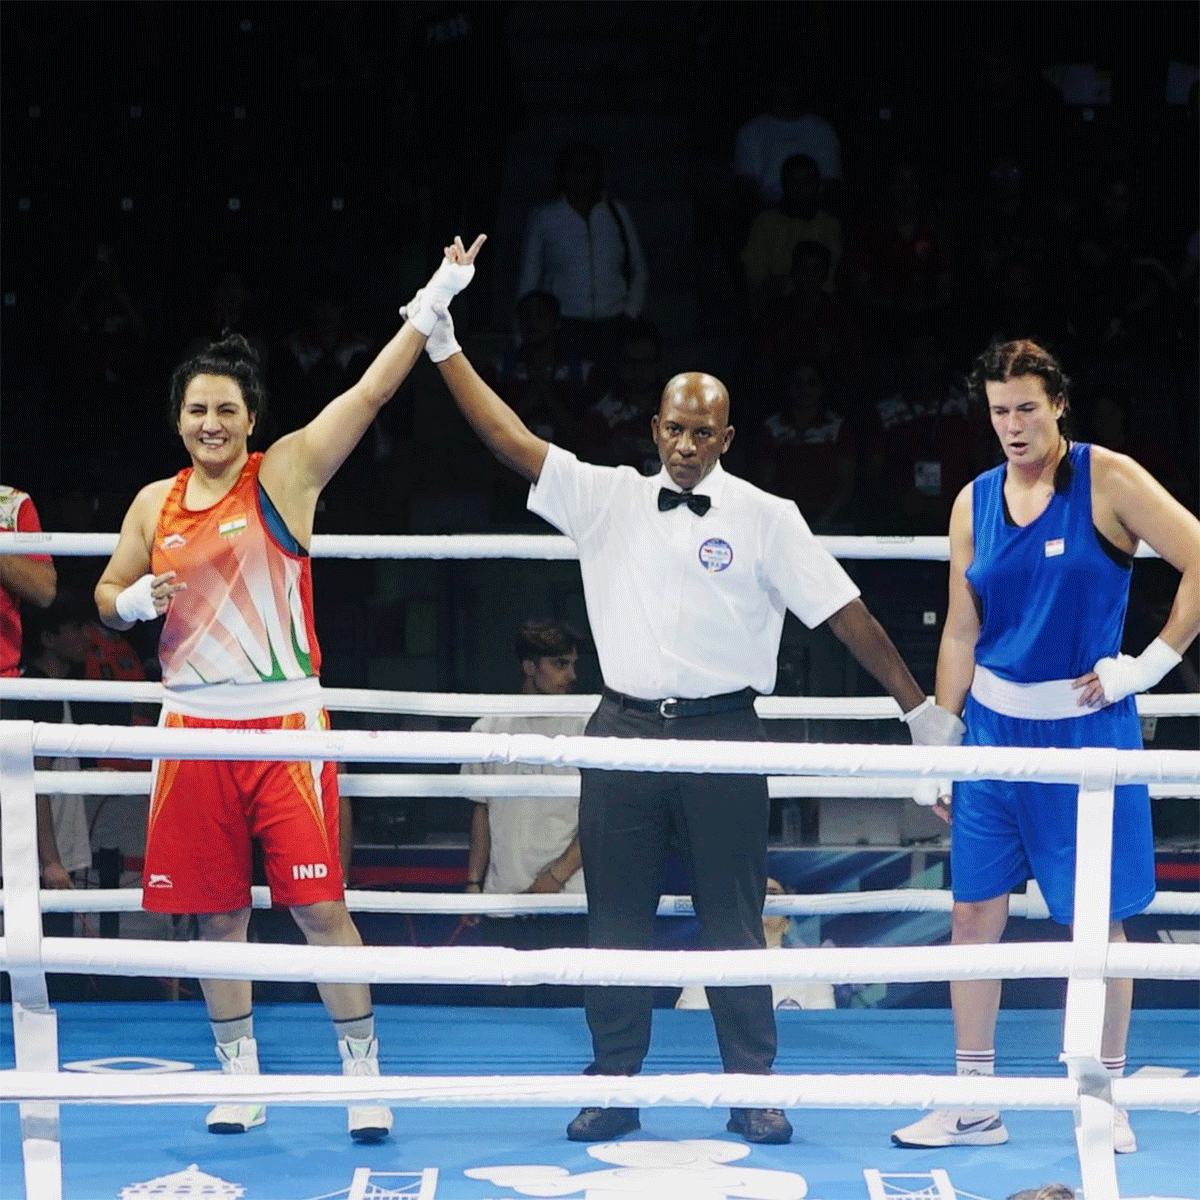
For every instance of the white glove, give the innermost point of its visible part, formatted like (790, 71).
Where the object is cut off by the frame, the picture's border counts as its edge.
(440, 340)
(1124, 675)
(136, 602)
(929, 725)
(444, 284)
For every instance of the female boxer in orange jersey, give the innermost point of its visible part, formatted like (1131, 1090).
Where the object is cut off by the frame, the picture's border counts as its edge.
(220, 550)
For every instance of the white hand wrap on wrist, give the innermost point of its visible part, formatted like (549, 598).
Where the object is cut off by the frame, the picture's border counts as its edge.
(1125, 676)
(440, 342)
(929, 725)
(136, 603)
(444, 284)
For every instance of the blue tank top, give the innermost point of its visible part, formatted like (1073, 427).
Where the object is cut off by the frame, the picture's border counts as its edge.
(1052, 599)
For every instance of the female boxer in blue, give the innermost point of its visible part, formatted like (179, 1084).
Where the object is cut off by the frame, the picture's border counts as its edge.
(1041, 549)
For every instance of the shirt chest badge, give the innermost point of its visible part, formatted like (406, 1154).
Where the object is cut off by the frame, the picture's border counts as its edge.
(715, 554)
(174, 541)
(1054, 547)
(232, 526)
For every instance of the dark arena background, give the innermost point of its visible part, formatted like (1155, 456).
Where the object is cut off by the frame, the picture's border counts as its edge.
(291, 171)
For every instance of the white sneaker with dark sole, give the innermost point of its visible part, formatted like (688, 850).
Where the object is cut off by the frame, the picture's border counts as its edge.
(237, 1058)
(365, 1122)
(953, 1127)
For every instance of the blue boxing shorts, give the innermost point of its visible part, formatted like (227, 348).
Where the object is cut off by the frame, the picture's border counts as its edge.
(1004, 832)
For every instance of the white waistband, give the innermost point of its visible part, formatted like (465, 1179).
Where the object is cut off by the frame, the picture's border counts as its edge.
(244, 701)
(1053, 700)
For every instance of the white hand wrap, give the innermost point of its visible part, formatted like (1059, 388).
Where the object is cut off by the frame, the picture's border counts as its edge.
(136, 603)
(444, 284)
(440, 341)
(1125, 676)
(929, 725)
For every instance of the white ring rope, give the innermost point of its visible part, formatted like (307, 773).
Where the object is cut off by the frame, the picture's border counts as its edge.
(470, 705)
(890, 900)
(648, 968)
(479, 545)
(554, 1091)
(634, 754)
(428, 785)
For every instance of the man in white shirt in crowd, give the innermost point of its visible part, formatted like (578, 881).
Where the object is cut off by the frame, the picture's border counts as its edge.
(582, 247)
(530, 843)
(687, 576)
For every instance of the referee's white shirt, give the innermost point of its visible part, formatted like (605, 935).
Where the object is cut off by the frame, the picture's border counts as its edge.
(679, 604)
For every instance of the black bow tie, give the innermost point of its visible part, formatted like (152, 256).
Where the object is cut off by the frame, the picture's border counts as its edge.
(668, 499)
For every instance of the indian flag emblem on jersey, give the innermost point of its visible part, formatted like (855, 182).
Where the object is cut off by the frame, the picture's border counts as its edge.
(228, 528)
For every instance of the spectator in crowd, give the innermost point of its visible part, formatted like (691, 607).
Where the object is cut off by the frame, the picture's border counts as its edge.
(24, 578)
(808, 324)
(923, 444)
(583, 247)
(230, 309)
(806, 453)
(58, 645)
(787, 126)
(897, 266)
(546, 381)
(541, 377)
(106, 358)
(1108, 425)
(789, 994)
(617, 424)
(687, 619)
(530, 844)
(1122, 289)
(796, 217)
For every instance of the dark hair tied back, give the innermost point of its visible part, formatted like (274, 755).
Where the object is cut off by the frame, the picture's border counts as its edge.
(231, 356)
(1002, 361)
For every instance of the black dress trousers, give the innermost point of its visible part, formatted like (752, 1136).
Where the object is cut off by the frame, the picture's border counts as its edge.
(625, 822)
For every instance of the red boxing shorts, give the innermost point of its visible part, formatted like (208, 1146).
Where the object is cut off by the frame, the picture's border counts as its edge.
(203, 816)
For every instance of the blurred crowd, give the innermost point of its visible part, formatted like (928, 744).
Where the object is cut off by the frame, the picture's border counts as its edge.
(872, 197)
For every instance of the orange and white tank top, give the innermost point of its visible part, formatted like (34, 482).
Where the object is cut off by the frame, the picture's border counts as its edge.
(246, 615)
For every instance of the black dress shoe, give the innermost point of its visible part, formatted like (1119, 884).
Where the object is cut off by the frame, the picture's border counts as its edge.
(766, 1126)
(603, 1124)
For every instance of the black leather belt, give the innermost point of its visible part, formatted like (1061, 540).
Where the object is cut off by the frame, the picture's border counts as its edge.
(674, 706)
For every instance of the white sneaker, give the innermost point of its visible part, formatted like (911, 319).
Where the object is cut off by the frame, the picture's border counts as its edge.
(366, 1123)
(1123, 1140)
(954, 1127)
(237, 1058)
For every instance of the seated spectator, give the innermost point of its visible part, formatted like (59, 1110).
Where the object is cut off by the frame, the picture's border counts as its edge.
(787, 126)
(800, 994)
(55, 646)
(1122, 290)
(897, 265)
(809, 324)
(545, 382)
(616, 427)
(796, 217)
(1106, 418)
(530, 844)
(583, 248)
(923, 445)
(806, 452)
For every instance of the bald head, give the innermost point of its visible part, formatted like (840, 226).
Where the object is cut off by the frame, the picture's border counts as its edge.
(695, 390)
(692, 427)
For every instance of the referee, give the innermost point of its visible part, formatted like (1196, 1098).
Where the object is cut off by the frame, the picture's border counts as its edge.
(687, 576)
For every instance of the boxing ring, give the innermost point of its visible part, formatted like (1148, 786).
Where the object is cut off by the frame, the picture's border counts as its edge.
(535, 1159)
